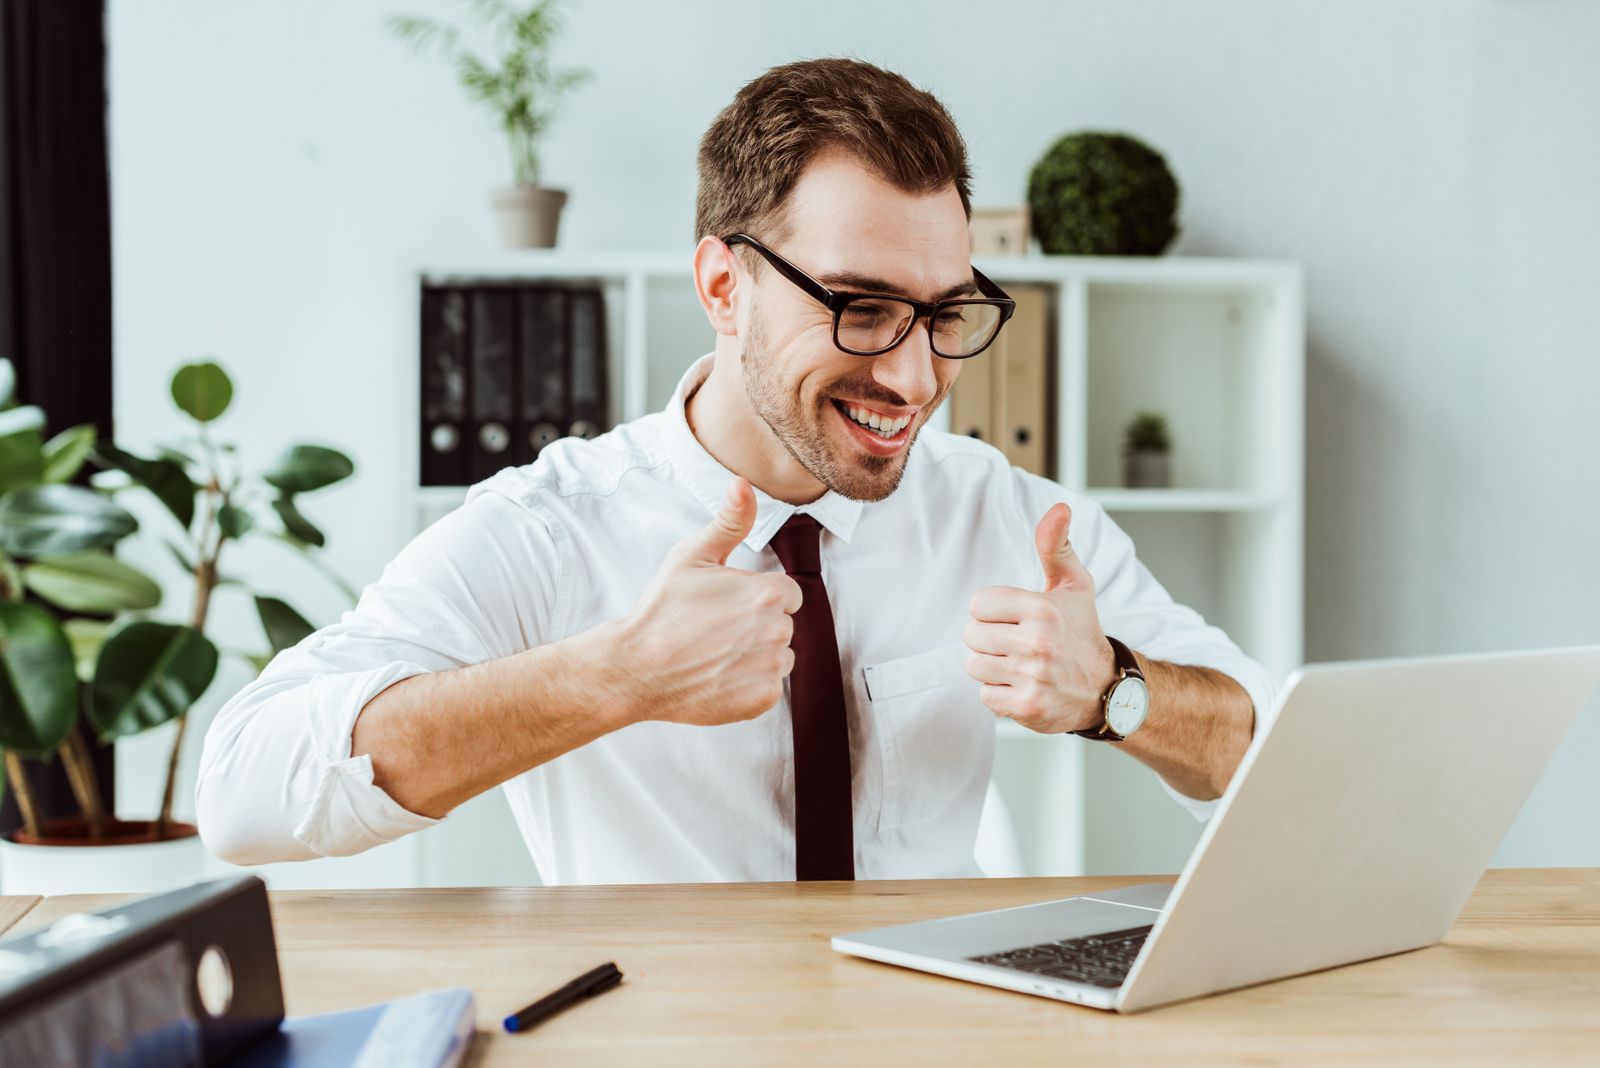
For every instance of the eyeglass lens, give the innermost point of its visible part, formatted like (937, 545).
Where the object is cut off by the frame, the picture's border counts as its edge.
(873, 324)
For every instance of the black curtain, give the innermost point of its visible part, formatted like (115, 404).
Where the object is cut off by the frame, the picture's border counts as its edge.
(55, 242)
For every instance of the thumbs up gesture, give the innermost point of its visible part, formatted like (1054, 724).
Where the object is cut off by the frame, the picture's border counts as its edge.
(1042, 657)
(707, 643)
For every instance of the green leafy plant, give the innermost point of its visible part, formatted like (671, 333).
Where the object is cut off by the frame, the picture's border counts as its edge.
(520, 87)
(1147, 433)
(77, 651)
(1103, 194)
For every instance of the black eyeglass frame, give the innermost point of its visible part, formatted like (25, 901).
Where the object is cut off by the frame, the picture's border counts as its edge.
(836, 301)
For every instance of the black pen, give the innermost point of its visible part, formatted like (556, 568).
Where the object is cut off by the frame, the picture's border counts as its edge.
(584, 986)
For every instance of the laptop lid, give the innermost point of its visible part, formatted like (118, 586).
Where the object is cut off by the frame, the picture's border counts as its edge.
(1361, 820)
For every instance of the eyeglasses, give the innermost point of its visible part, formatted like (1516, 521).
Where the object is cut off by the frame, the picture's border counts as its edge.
(870, 324)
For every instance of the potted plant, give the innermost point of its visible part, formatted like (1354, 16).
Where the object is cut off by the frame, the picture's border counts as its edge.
(522, 89)
(1103, 194)
(81, 656)
(1147, 452)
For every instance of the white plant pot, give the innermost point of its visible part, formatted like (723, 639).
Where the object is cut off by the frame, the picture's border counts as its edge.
(528, 215)
(136, 867)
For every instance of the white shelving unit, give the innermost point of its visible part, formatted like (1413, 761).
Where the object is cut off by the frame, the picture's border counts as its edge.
(1216, 345)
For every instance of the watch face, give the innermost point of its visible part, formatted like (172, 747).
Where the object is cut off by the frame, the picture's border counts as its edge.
(1129, 702)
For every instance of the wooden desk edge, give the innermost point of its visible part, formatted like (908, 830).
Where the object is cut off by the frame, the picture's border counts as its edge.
(13, 909)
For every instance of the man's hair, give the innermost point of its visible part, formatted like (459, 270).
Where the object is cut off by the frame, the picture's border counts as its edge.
(757, 147)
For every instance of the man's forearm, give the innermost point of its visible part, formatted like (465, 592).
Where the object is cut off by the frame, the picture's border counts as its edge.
(439, 739)
(1198, 728)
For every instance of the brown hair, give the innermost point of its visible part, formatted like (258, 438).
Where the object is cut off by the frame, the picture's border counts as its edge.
(757, 147)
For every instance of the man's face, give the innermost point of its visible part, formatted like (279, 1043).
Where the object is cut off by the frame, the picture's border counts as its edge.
(853, 232)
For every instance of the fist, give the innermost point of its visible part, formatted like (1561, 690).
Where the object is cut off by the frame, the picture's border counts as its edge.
(709, 644)
(1041, 656)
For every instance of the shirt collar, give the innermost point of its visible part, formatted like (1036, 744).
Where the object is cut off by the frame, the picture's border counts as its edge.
(708, 480)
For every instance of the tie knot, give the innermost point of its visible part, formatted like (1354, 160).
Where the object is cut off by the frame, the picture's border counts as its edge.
(796, 544)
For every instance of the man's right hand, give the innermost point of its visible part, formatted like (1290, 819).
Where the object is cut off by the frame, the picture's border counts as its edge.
(707, 643)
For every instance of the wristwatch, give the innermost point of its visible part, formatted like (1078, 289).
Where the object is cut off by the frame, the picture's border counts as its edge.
(1126, 701)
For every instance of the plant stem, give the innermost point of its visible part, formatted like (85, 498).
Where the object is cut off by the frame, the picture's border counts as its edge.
(79, 766)
(205, 580)
(15, 775)
(165, 820)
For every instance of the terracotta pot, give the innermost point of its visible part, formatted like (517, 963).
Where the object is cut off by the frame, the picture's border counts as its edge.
(127, 858)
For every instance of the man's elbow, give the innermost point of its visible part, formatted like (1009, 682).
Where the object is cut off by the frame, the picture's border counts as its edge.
(239, 832)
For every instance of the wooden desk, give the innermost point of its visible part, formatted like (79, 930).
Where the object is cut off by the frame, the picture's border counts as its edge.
(744, 974)
(13, 909)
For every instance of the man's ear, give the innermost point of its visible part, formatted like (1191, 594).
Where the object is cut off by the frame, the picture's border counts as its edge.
(716, 282)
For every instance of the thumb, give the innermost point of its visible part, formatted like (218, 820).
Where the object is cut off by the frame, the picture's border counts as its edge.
(728, 527)
(1062, 568)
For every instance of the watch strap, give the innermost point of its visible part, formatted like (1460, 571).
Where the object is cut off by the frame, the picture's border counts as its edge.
(1127, 668)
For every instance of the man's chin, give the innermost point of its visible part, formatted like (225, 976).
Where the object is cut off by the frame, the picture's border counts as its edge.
(861, 476)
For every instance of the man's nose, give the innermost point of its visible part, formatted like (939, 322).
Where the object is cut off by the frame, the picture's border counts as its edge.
(908, 367)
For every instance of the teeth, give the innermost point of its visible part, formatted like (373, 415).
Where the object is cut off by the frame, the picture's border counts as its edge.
(885, 427)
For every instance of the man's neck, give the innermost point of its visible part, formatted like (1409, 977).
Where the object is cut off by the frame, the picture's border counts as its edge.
(721, 419)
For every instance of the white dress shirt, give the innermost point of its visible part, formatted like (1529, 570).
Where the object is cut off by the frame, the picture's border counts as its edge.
(540, 552)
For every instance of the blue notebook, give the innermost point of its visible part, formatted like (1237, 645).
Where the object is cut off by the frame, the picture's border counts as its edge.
(429, 1030)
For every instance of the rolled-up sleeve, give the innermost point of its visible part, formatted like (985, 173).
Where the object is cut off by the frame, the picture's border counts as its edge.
(277, 781)
(1138, 610)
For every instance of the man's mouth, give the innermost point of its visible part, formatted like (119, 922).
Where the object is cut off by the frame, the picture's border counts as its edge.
(883, 432)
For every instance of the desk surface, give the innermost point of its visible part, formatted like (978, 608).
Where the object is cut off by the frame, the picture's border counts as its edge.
(743, 973)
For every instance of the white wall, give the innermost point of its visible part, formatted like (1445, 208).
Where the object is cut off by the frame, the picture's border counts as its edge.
(279, 166)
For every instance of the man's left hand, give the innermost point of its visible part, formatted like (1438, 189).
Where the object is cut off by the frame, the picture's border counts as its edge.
(1042, 657)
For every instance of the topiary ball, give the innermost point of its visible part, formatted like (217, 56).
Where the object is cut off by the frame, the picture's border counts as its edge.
(1103, 194)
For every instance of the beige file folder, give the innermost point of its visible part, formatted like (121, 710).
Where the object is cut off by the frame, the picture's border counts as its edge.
(1003, 396)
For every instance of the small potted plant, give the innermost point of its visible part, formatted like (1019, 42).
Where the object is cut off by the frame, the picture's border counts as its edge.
(1147, 452)
(84, 665)
(522, 88)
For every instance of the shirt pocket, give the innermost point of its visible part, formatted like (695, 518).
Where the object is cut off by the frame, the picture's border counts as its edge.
(937, 734)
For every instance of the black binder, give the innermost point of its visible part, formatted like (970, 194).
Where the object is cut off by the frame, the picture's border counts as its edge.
(544, 346)
(444, 386)
(139, 979)
(494, 335)
(586, 413)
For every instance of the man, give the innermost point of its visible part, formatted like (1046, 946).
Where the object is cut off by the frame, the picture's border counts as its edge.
(765, 633)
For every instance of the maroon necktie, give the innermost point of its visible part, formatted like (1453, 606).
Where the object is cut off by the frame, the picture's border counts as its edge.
(824, 841)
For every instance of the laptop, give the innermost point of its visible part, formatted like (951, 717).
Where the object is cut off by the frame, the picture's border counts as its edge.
(1356, 827)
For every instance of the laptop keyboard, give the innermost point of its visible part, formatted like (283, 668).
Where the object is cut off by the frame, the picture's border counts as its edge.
(1098, 960)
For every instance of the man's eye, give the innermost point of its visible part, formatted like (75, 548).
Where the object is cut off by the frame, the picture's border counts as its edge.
(952, 318)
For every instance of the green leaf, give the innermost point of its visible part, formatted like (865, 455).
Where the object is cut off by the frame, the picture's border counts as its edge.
(296, 525)
(91, 581)
(51, 520)
(11, 588)
(86, 637)
(202, 389)
(259, 661)
(8, 384)
(21, 460)
(234, 521)
(38, 686)
(309, 467)
(147, 674)
(165, 478)
(16, 420)
(64, 454)
(284, 626)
